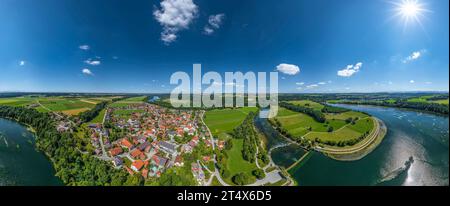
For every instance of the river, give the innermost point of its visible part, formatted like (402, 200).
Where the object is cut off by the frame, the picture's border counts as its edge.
(20, 163)
(423, 136)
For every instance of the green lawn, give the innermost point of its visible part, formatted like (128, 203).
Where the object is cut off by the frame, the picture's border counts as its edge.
(235, 162)
(225, 120)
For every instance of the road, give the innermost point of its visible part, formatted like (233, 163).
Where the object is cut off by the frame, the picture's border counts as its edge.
(104, 155)
(209, 131)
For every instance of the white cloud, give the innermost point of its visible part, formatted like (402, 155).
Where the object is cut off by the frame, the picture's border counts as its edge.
(84, 47)
(350, 70)
(390, 83)
(322, 83)
(22, 63)
(414, 56)
(312, 86)
(300, 83)
(288, 69)
(174, 16)
(411, 81)
(93, 62)
(87, 71)
(214, 22)
(428, 82)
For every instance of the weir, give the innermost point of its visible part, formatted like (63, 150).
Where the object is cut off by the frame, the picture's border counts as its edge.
(298, 161)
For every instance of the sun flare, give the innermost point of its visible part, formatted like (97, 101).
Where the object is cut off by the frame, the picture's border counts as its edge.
(410, 11)
(410, 8)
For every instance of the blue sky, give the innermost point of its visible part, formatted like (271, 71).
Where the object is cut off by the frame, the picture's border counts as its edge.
(134, 46)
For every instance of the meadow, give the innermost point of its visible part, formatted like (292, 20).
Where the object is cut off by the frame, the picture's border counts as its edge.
(235, 163)
(301, 125)
(99, 118)
(127, 112)
(307, 103)
(225, 120)
(348, 132)
(128, 101)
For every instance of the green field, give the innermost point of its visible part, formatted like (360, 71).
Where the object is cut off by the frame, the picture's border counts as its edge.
(235, 163)
(128, 101)
(443, 101)
(299, 124)
(345, 115)
(225, 120)
(67, 105)
(307, 103)
(135, 99)
(99, 117)
(348, 132)
(62, 104)
(424, 99)
(17, 101)
(127, 112)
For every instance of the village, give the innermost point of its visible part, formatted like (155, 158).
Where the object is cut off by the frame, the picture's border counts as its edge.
(147, 139)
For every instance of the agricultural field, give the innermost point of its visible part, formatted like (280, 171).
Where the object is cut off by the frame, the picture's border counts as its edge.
(66, 105)
(135, 99)
(225, 120)
(307, 103)
(128, 101)
(127, 112)
(302, 125)
(17, 101)
(442, 101)
(70, 106)
(425, 99)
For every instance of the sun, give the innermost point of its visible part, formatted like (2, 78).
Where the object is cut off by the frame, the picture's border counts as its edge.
(410, 11)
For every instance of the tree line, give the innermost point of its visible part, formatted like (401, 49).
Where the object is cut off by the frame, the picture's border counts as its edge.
(315, 114)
